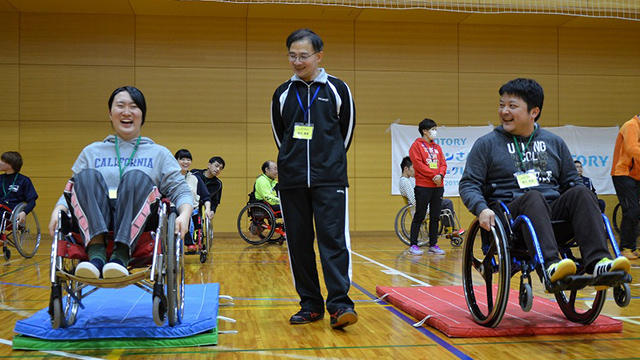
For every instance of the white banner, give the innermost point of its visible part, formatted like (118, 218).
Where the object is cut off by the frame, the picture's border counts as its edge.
(593, 146)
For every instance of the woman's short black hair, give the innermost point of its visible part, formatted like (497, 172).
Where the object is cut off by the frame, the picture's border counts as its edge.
(426, 124)
(183, 153)
(13, 158)
(136, 96)
(302, 34)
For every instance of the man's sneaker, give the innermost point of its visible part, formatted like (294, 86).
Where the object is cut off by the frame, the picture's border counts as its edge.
(435, 249)
(305, 317)
(114, 269)
(561, 269)
(415, 250)
(631, 255)
(605, 265)
(89, 269)
(343, 317)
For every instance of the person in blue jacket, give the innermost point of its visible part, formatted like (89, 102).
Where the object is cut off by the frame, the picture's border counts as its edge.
(16, 187)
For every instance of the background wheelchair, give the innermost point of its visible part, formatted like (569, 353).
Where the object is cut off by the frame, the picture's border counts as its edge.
(491, 258)
(202, 235)
(156, 266)
(25, 237)
(258, 223)
(405, 217)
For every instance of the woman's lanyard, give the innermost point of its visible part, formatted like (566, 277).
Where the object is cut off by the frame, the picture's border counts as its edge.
(517, 146)
(10, 186)
(306, 111)
(135, 148)
(432, 154)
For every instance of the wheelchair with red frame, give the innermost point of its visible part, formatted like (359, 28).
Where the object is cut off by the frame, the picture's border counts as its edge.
(491, 259)
(201, 235)
(24, 236)
(259, 223)
(156, 266)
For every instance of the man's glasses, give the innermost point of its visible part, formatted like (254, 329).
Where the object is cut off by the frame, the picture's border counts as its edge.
(302, 57)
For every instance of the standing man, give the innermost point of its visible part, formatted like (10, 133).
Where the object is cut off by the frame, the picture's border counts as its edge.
(625, 173)
(312, 117)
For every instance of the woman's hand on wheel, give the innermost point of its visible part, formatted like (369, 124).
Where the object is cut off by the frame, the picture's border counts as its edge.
(182, 221)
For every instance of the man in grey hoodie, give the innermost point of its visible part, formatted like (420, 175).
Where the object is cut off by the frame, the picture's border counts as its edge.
(532, 171)
(114, 183)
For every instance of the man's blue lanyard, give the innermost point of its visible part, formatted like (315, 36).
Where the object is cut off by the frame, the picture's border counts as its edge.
(306, 111)
(13, 183)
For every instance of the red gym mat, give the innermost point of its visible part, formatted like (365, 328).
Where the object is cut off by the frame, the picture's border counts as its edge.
(450, 315)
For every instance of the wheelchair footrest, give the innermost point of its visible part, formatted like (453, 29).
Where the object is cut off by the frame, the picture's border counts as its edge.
(578, 282)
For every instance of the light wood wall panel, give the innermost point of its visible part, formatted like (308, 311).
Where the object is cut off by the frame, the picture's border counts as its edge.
(261, 84)
(375, 207)
(190, 42)
(508, 49)
(479, 97)
(234, 197)
(179, 95)
(266, 42)
(49, 190)
(406, 47)
(50, 151)
(9, 25)
(384, 97)
(9, 90)
(9, 136)
(69, 93)
(204, 140)
(599, 51)
(372, 151)
(260, 148)
(81, 39)
(592, 100)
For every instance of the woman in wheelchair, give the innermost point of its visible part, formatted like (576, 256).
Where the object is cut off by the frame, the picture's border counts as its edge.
(199, 192)
(113, 185)
(16, 188)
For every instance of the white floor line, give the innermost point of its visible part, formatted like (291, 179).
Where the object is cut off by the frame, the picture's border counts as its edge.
(57, 353)
(391, 271)
(623, 318)
(16, 311)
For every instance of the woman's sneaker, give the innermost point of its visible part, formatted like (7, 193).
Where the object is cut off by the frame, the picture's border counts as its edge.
(435, 249)
(415, 250)
(114, 269)
(89, 269)
(561, 269)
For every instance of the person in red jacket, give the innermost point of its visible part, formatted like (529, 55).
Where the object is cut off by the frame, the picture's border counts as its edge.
(430, 167)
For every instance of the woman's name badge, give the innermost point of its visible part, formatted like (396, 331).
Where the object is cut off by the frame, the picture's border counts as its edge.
(113, 193)
(527, 179)
(433, 164)
(303, 131)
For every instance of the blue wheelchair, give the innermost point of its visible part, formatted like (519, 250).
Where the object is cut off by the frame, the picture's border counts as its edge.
(491, 259)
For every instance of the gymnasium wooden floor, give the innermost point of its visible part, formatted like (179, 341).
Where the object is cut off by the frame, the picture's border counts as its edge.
(259, 279)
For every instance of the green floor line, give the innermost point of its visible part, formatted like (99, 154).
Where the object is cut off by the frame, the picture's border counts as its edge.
(218, 350)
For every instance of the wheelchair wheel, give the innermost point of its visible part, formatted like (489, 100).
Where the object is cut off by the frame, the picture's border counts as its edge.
(622, 295)
(486, 263)
(403, 226)
(26, 236)
(65, 299)
(256, 223)
(582, 314)
(617, 218)
(208, 233)
(175, 273)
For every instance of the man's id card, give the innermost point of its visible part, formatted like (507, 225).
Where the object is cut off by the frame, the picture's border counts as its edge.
(303, 131)
(526, 179)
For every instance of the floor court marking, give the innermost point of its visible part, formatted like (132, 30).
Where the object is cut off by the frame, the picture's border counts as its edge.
(390, 270)
(57, 353)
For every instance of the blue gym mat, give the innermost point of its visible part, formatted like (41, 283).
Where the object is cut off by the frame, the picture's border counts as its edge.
(126, 313)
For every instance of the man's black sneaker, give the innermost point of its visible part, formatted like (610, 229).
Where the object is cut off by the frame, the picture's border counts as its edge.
(305, 317)
(343, 317)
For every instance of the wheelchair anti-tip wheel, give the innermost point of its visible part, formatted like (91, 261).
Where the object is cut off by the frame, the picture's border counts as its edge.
(622, 295)
(403, 226)
(486, 273)
(25, 236)
(456, 240)
(256, 223)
